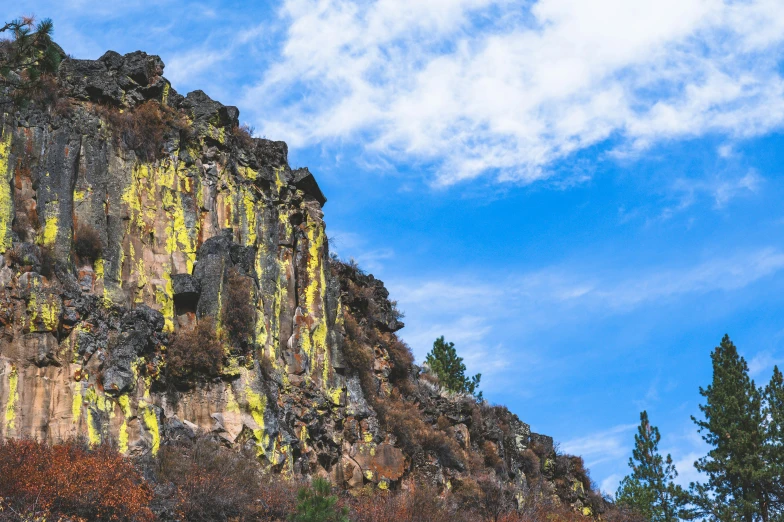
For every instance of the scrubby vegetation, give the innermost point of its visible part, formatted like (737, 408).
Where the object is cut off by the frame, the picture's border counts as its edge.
(238, 315)
(87, 244)
(201, 480)
(70, 481)
(242, 135)
(408, 410)
(144, 128)
(194, 353)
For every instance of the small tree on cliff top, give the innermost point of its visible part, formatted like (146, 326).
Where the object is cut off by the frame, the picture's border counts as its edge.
(26, 56)
(450, 370)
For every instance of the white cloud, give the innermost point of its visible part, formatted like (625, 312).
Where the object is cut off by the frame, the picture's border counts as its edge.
(349, 245)
(761, 365)
(608, 445)
(721, 190)
(610, 484)
(469, 311)
(687, 473)
(183, 67)
(493, 86)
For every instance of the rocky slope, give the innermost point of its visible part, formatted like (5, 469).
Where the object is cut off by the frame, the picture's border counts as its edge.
(128, 214)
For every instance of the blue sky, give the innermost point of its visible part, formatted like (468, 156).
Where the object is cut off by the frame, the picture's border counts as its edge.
(583, 196)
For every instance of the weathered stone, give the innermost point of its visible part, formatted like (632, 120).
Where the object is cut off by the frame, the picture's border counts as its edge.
(84, 348)
(185, 286)
(545, 442)
(378, 462)
(41, 349)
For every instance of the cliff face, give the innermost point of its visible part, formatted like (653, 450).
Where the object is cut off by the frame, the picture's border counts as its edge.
(128, 214)
(83, 347)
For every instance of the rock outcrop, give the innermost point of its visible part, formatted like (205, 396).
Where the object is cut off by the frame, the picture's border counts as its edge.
(129, 213)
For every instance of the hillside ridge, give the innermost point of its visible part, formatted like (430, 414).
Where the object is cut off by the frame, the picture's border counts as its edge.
(168, 276)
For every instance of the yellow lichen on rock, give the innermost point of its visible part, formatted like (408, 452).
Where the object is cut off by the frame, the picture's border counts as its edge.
(49, 234)
(95, 401)
(13, 399)
(150, 420)
(6, 198)
(122, 438)
(164, 296)
(250, 216)
(257, 404)
(76, 403)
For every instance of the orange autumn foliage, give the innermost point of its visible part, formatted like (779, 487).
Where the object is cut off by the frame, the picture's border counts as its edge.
(70, 481)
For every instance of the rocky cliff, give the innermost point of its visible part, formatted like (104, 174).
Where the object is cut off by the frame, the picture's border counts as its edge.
(129, 216)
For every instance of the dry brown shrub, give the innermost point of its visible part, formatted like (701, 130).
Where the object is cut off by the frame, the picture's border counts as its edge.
(422, 503)
(238, 314)
(581, 473)
(70, 481)
(404, 420)
(402, 359)
(15, 256)
(144, 128)
(195, 353)
(497, 498)
(531, 464)
(430, 378)
(210, 482)
(358, 354)
(491, 455)
(498, 414)
(277, 497)
(243, 136)
(87, 244)
(48, 261)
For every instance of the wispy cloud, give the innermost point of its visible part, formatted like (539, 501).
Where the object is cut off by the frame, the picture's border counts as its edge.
(469, 310)
(483, 87)
(761, 365)
(350, 245)
(611, 444)
(720, 189)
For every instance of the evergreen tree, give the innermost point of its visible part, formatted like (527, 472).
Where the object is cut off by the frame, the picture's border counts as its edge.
(738, 477)
(317, 504)
(450, 370)
(650, 490)
(26, 57)
(774, 416)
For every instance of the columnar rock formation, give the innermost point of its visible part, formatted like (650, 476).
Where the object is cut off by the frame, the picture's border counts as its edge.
(183, 208)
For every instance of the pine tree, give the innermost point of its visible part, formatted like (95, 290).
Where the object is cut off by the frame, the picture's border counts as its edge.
(649, 490)
(26, 58)
(317, 504)
(738, 477)
(450, 370)
(774, 416)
